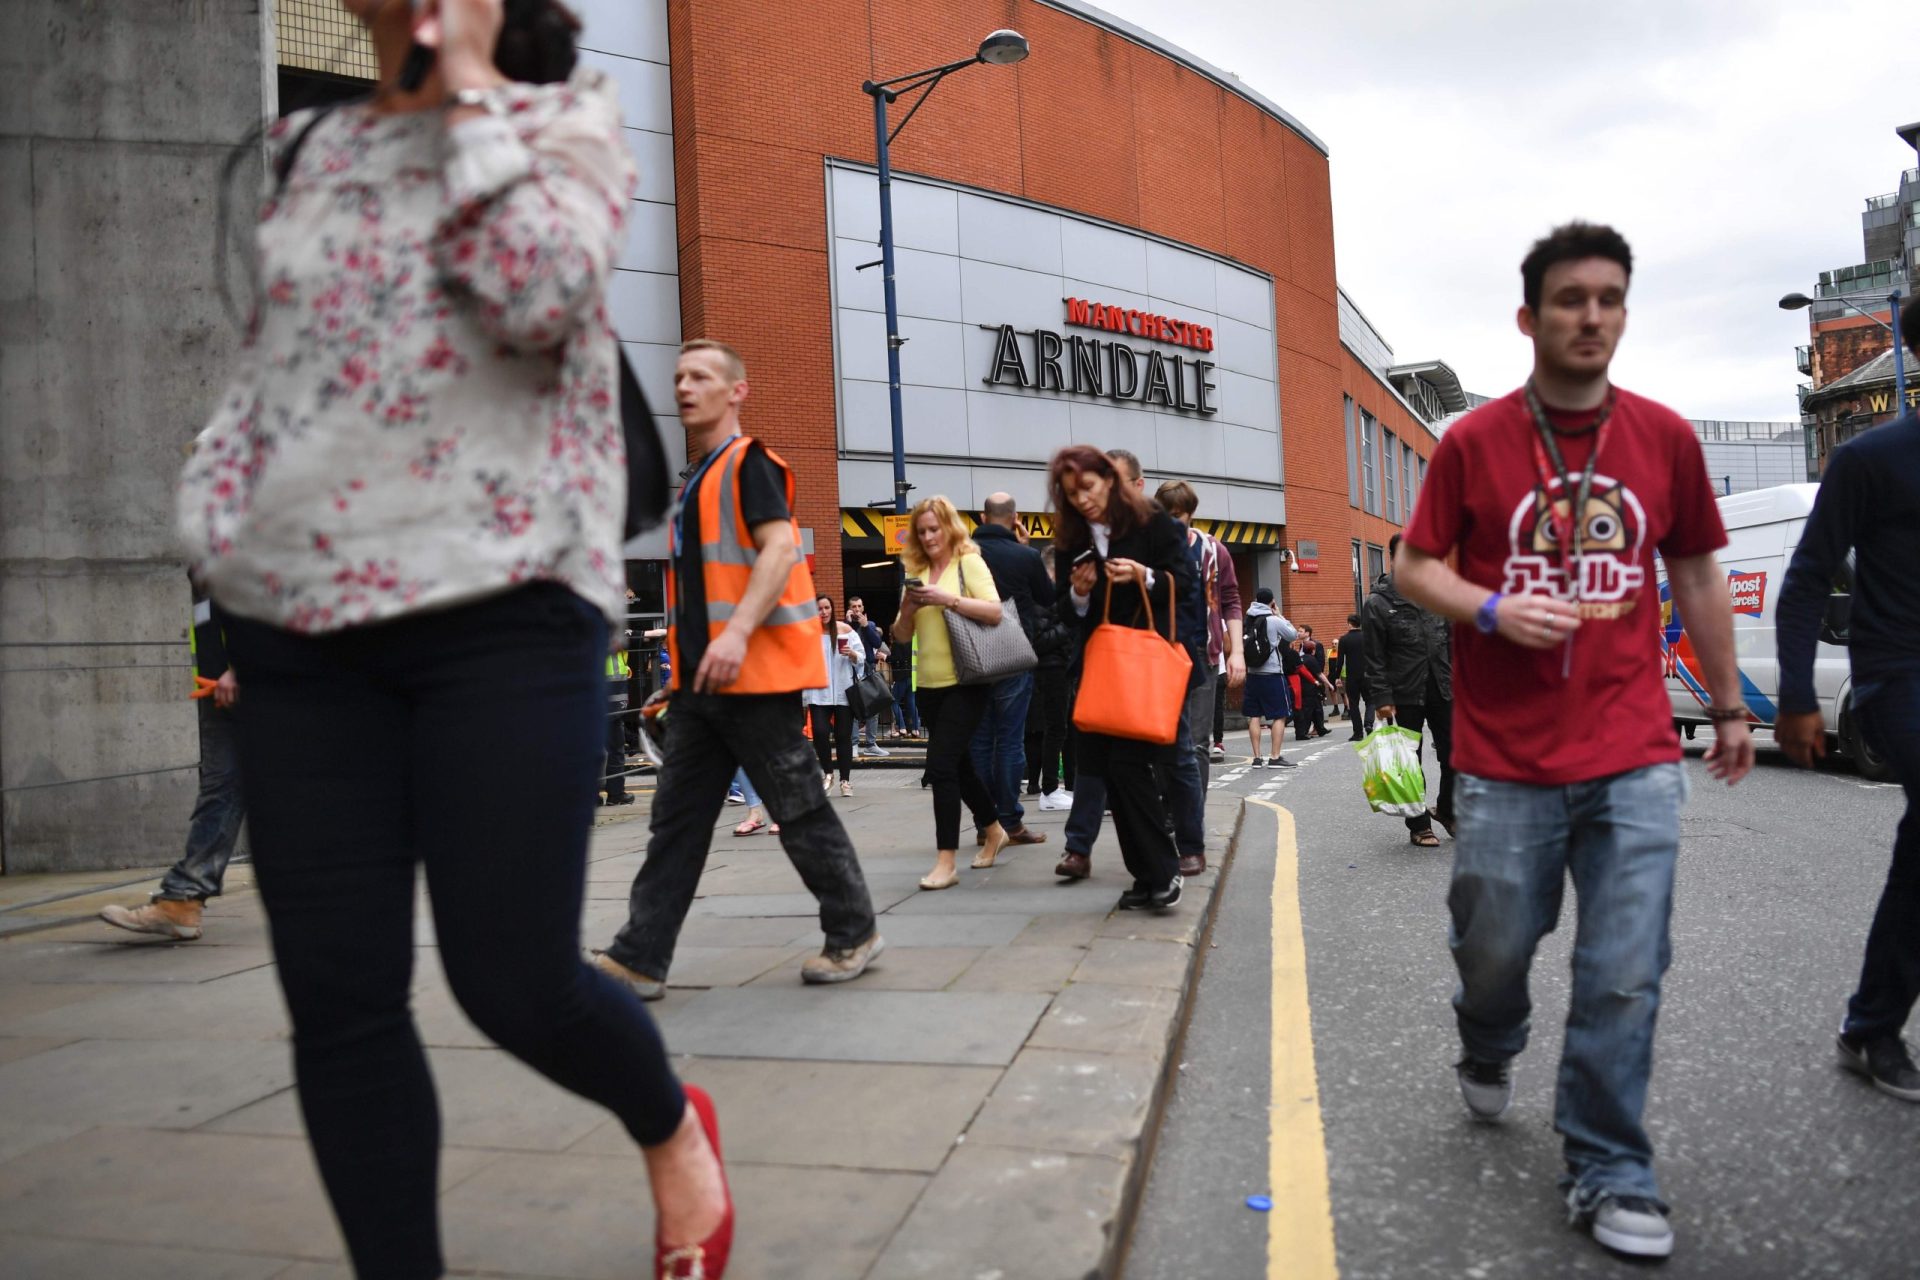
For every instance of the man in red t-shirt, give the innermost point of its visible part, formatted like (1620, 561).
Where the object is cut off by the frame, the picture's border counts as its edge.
(1556, 498)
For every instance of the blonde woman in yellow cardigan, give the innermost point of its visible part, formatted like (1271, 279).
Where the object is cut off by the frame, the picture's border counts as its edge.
(945, 573)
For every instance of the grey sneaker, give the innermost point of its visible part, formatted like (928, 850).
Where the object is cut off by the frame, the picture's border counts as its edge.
(1487, 1087)
(1885, 1062)
(842, 966)
(1633, 1225)
(638, 983)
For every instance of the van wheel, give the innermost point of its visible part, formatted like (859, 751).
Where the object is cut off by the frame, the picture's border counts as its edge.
(1853, 743)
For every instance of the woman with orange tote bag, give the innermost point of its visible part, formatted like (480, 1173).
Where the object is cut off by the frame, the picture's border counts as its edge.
(1115, 551)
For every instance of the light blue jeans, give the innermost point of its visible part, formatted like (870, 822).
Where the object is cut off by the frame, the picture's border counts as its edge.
(1619, 837)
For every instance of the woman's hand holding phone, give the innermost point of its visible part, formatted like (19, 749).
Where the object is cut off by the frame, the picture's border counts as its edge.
(1086, 572)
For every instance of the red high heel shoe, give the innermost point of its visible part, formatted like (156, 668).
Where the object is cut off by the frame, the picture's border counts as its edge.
(708, 1259)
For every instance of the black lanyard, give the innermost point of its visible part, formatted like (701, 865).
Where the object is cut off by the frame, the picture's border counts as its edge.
(680, 506)
(1569, 537)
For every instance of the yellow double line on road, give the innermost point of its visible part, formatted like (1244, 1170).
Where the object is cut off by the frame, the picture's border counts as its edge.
(1300, 1225)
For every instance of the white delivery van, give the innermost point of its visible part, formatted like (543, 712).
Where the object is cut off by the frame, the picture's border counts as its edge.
(1763, 528)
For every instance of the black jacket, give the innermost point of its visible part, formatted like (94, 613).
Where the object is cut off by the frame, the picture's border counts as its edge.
(1160, 545)
(1350, 665)
(1404, 645)
(1020, 575)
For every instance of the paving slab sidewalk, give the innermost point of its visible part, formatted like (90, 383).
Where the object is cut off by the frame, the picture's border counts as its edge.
(978, 1104)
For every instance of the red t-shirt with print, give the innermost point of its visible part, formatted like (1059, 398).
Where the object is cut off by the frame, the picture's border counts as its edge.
(1521, 715)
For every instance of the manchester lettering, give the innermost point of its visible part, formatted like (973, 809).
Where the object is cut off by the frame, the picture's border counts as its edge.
(1083, 314)
(1043, 360)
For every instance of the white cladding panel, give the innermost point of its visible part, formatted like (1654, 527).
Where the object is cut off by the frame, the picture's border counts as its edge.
(966, 260)
(627, 39)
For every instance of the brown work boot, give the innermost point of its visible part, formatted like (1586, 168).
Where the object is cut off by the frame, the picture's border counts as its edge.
(168, 917)
(1193, 864)
(1026, 835)
(638, 983)
(842, 966)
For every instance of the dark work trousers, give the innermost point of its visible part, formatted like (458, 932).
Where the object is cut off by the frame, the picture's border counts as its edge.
(710, 735)
(1089, 810)
(1432, 720)
(348, 751)
(1220, 711)
(1890, 973)
(833, 731)
(614, 780)
(952, 715)
(1181, 785)
(218, 811)
(1050, 695)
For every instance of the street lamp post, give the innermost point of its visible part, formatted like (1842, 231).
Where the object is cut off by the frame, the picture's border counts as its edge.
(1799, 301)
(999, 49)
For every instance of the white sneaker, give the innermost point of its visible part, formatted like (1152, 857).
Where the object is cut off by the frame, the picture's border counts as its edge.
(875, 750)
(1633, 1225)
(1056, 801)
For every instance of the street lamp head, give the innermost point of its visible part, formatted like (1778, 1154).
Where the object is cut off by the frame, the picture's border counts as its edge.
(1795, 302)
(1003, 48)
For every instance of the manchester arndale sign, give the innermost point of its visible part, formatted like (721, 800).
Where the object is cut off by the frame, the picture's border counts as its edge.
(1043, 360)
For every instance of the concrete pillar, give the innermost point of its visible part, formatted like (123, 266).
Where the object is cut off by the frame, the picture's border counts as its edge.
(116, 118)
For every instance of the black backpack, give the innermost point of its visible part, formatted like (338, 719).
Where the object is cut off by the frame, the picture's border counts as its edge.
(1257, 644)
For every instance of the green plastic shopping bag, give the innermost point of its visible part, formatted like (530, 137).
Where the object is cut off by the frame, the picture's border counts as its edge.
(1395, 782)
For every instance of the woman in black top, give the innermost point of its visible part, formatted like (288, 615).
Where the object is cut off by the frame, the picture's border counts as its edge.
(1131, 541)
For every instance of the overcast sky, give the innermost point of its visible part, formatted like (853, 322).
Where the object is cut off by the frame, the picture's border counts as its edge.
(1733, 143)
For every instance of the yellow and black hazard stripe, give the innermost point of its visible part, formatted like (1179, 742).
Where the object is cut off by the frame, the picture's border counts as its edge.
(1242, 533)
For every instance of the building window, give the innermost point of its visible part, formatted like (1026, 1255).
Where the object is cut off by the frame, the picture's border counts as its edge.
(1353, 466)
(1422, 484)
(1376, 563)
(1359, 578)
(1389, 473)
(1408, 478)
(1369, 490)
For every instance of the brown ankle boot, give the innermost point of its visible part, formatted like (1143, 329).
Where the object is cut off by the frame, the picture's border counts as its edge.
(168, 917)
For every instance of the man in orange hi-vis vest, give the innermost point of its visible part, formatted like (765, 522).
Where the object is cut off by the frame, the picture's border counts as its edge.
(745, 639)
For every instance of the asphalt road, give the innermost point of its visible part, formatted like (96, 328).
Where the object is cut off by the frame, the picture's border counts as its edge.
(1778, 1164)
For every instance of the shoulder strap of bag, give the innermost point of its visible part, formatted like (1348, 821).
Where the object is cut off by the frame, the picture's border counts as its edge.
(283, 164)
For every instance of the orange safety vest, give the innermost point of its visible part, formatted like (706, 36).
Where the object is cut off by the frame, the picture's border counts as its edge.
(783, 653)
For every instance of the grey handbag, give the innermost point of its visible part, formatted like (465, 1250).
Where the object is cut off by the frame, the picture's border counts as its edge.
(983, 654)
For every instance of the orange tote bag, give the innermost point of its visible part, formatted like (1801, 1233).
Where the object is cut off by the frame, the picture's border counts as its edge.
(1132, 682)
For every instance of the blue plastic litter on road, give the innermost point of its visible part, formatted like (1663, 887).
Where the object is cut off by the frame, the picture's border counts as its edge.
(1260, 1203)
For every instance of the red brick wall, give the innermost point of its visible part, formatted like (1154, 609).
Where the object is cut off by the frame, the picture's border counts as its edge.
(1092, 122)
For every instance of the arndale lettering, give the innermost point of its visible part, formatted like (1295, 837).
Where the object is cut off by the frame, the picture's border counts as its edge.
(1042, 360)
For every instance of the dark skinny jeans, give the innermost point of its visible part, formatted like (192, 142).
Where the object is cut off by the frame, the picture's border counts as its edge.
(348, 750)
(952, 715)
(833, 731)
(1890, 970)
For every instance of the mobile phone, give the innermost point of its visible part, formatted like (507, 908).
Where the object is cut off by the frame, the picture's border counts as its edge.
(1085, 556)
(413, 72)
(913, 584)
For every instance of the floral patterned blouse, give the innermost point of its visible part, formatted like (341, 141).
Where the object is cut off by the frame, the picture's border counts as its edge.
(427, 411)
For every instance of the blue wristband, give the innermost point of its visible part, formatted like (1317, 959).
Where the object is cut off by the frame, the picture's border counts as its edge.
(1487, 619)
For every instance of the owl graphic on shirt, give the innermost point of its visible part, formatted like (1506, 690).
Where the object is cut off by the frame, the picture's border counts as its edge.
(1613, 532)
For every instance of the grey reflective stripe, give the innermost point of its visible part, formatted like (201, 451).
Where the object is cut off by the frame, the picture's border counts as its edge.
(781, 615)
(725, 548)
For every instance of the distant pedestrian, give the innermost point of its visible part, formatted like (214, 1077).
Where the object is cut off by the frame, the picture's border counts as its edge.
(1049, 730)
(213, 831)
(945, 574)
(1410, 680)
(1349, 672)
(1569, 762)
(999, 744)
(1869, 507)
(1266, 702)
(619, 680)
(873, 654)
(1310, 716)
(745, 636)
(409, 504)
(827, 708)
(904, 664)
(1111, 542)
